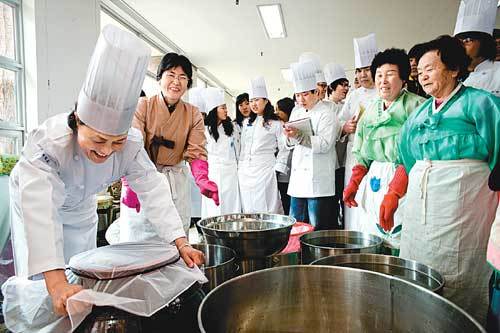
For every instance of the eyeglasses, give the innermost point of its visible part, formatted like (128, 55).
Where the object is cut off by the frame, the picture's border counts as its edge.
(181, 78)
(467, 40)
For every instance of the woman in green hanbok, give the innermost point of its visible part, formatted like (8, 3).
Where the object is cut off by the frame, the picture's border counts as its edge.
(375, 148)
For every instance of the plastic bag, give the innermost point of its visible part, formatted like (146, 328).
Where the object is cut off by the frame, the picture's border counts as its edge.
(28, 307)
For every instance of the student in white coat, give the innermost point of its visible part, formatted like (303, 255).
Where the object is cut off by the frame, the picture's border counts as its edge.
(312, 179)
(356, 102)
(223, 149)
(261, 138)
(71, 157)
(474, 27)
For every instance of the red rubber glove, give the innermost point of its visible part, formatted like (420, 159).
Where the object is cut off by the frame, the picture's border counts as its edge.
(358, 172)
(397, 189)
(208, 188)
(130, 198)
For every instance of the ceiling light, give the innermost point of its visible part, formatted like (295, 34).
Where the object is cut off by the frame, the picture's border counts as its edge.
(272, 18)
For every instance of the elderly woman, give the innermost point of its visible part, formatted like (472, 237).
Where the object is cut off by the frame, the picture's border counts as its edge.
(174, 135)
(376, 147)
(448, 147)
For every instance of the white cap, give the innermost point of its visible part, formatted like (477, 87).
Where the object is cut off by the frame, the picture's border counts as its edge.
(476, 15)
(214, 97)
(196, 98)
(365, 49)
(314, 58)
(333, 72)
(110, 92)
(304, 76)
(258, 88)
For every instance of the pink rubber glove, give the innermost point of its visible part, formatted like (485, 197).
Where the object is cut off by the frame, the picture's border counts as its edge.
(208, 188)
(130, 198)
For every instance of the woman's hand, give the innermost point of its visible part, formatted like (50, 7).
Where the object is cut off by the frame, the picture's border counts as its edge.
(60, 290)
(190, 255)
(290, 132)
(350, 126)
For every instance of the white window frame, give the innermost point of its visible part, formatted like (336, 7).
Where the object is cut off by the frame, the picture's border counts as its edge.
(16, 129)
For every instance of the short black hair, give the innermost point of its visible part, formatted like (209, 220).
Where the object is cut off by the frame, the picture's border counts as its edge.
(452, 54)
(392, 56)
(286, 105)
(333, 86)
(143, 94)
(488, 46)
(240, 99)
(172, 60)
(415, 51)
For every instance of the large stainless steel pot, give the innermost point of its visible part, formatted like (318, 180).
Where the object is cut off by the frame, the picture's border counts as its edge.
(328, 299)
(219, 266)
(249, 235)
(408, 270)
(326, 243)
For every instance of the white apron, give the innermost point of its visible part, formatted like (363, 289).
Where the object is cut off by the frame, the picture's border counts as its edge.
(258, 185)
(135, 228)
(370, 195)
(225, 175)
(351, 218)
(447, 220)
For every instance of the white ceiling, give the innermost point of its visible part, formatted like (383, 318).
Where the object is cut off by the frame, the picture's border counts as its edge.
(227, 39)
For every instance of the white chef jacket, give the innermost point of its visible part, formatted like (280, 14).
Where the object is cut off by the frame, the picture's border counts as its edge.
(313, 168)
(53, 200)
(485, 76)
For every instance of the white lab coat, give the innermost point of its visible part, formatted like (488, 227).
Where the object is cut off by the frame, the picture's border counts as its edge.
(257, 165)
(356, 102)
(313, 168)
(485, 76)
(223, 170)
(53, 198)
(340, 144)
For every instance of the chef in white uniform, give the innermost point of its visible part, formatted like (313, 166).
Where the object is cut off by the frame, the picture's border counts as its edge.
(356, 102)
(262, 154)
(474, 26)
(223, 149)
(312, 178)
(71, 157)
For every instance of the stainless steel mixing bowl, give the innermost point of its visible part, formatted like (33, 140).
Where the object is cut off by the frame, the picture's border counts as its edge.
(326, 243)
(249, 235)
(328, 299)
(408, 270)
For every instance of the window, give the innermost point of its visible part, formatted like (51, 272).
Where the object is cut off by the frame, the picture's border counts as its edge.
(12, 117)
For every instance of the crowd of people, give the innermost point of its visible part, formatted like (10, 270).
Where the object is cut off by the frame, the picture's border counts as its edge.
(411, 155)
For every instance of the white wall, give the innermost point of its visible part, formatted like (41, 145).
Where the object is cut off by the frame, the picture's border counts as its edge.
(59, 39)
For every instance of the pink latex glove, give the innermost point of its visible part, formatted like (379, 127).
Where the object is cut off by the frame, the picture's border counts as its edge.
(130, 198)
(208, 188)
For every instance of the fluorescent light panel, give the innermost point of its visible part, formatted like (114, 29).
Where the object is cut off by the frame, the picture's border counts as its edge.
(272, 18)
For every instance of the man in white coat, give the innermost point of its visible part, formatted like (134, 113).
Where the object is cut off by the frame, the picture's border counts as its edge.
(312, 136)
(356, 102)
(71, 157)
(474, 27)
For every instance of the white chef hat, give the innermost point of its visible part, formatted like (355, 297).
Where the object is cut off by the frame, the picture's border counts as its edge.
(304, 76)
(365, 49)
(258, 88)
(333, 72)
(476, 15)
(314, 58)
(109, 95)
(213, 97)
(196, 98)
